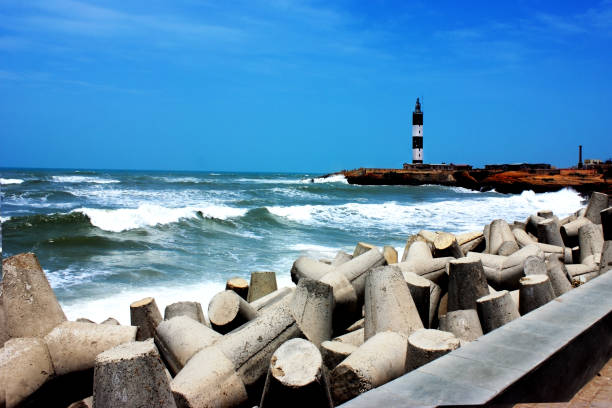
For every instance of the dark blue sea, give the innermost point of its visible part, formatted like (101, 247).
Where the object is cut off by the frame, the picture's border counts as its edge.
(108, 238)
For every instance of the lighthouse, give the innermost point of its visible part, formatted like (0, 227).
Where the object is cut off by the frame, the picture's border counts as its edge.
(417, 134)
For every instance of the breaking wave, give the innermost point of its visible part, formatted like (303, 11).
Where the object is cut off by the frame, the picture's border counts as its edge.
(82, 179)
(453, 216)
(150, 215)
(10, 181)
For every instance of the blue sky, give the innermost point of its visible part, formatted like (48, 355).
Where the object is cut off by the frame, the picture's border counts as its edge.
(265, 85)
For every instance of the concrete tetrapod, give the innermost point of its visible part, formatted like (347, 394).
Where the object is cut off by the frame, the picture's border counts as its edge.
(522, 238)
(312, 307)
(241, 355)
(25, 365)
(532, 224)
(30, 306)
(500, 234)
(305, 267)
(208, 380)
(355, 270)
(496, 309)
(261, 284)
(504, 272)
(435, 295)
(362, 248)
(379, 360)
(271, 298)
(189, 309)
(471, 241)
(297, 377)
(420, 290)
(557, 273)
(388, 304)
(548, 214)
(420, 261)
(238, 285)
(341, 257)
(390, 254)
(179, 338)
(569, 231)
(84, 403)
(73, 346)
(549, 233)
(590, 238)
(356, 326)
(464, 324)
(606, 257)
(355, 337)
(227, 311)
(606, 223)
(334, 352)
(445, 245)
(426, 345)
(535, 291)
(597, 202)
(534, 265)
(4, 336)
(466, 283)
(346, 308)
(145, 315)
(131, 375)
(112, 321)
(411, 240)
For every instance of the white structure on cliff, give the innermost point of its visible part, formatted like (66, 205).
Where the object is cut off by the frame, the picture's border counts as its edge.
(417, 134)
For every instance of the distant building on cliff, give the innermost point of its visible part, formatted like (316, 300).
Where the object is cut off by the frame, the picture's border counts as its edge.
(417, 134)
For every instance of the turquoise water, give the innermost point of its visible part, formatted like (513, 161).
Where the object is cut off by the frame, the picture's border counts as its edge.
(107, 238)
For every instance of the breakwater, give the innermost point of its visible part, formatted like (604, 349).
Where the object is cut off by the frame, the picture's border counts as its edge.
(349, 325)
(516, 181)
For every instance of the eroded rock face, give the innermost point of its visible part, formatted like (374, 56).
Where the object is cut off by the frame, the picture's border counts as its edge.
(30, 306)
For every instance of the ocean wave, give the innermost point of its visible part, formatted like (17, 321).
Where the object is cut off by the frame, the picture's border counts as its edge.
(315, 250)
(184, 180)
(10, 181)
(465, 214)
(336, 178)
(131, 198)
(149, 215)
(37, 220)
(115, 302)
(268, 181)
(82, 179)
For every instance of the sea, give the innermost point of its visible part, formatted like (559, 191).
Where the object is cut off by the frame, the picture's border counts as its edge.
(108, 238)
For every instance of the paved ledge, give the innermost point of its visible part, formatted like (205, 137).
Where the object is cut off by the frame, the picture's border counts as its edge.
(545, 356)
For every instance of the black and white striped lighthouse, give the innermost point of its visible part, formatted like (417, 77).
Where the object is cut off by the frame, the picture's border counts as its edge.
(417, 134)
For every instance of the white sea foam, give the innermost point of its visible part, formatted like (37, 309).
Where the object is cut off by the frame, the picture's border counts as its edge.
(83, 179)
(4, 219)
(184, 180)
(314, 250)
(116, 304)
(336, 178)
(268, 181)
(10, 181)
(296, 193)
(453, 216)
(148, 215)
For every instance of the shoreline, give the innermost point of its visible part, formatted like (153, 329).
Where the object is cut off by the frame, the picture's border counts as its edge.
(507, 182)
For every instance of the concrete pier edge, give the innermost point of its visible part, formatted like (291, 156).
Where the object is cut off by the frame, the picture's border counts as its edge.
(545, 356)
